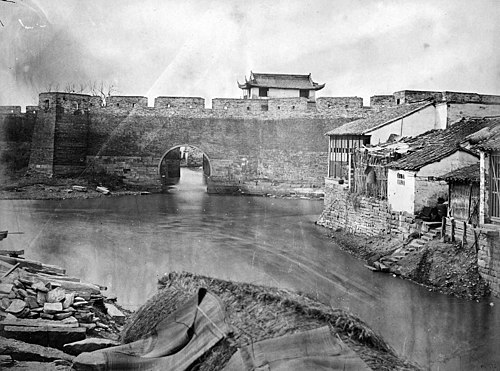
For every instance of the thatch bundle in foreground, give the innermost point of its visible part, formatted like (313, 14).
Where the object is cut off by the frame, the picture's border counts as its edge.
(257, 313)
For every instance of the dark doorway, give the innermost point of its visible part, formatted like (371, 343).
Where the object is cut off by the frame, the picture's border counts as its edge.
(185, 156)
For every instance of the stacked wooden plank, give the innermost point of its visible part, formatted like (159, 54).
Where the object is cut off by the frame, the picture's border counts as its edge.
(40, 304)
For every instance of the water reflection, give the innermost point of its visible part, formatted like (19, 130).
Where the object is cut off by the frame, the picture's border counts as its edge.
(126, 243)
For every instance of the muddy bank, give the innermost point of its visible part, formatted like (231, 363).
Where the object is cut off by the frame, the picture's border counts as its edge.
(60, 188)
(443, 267)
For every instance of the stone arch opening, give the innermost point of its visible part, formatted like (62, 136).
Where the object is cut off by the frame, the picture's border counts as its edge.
(182, 156)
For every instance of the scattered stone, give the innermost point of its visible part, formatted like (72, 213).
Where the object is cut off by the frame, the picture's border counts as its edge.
(88, 326)
(84, 317)
(80, 304)
(68, 301)
(56, 295)
(46, 316)
(78, 298)
(31, 292)
(41, 297)
(102, 325)
(52, 308)
(26, 281)
(89, 345)
(4, 303)
(32, 302)
(33, 315)
(12, 295)
(23, 293)
(60, 316)
(114, 312)
(24, 313)
(5, 288)
(16, 306)
(18, 284)
(70, 321)
(40, 286)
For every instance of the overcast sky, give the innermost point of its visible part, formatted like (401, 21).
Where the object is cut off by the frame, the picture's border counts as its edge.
(201, 48)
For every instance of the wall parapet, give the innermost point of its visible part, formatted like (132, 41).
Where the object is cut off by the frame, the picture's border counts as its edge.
(5, 110)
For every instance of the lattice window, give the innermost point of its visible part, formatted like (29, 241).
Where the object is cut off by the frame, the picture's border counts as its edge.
(495, 187)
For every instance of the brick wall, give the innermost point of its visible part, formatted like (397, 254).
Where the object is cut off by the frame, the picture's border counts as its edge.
(362, 215)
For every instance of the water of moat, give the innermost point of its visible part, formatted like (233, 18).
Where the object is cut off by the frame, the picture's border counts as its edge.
(126, 243)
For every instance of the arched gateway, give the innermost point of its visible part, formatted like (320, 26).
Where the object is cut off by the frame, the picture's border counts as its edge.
(180, 156)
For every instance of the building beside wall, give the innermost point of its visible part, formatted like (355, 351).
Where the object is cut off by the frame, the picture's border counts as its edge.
(274, 85)
(406, 113)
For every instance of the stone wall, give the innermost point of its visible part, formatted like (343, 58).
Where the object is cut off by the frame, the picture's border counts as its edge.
(16, 130)
(489, 257)
(180, 103)
(362, 215)
(381, 101)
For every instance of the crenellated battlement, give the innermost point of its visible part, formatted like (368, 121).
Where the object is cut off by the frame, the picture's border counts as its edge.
(64, 103)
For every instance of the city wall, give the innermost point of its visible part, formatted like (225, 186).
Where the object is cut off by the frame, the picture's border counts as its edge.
(254, 146)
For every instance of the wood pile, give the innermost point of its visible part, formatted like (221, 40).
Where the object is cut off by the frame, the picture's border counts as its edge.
(42, 305)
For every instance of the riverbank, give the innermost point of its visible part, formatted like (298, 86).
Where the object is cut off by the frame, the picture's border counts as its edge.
(38, 187)
(37, 335)
(443, 267)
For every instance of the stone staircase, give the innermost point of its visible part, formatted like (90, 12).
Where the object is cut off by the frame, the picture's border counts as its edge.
(430, 230)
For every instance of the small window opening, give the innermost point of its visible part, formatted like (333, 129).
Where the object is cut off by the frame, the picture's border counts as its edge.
(125, 171)
(401, 179)
(118, 104)
(133, 105)
(293, 107)
(264, 107)
(279, 107)
(46, 104)
(304, 93)
(263, 92)
(248, 108)
(398, 101)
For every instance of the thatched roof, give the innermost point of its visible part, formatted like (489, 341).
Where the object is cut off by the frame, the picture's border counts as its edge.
(257, 313)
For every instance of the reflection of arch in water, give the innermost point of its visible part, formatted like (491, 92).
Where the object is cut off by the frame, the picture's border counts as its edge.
(183, 155)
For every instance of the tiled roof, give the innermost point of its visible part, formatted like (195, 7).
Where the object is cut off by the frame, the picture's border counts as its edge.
(282, 81)
(465, 174)
(488, 139)
(379, 119)
(438, 144)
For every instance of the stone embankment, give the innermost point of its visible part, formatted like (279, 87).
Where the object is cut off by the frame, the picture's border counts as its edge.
(47, 316)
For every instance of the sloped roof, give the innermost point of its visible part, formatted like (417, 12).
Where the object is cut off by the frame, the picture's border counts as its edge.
(487, 139)
(463, 175)
(438, 144)
(281, 81)
(379, 119)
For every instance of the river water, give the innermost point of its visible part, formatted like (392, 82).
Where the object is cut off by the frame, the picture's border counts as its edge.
(127, 243)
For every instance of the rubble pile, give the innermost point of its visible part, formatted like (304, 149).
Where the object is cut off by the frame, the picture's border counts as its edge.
(40, 304)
